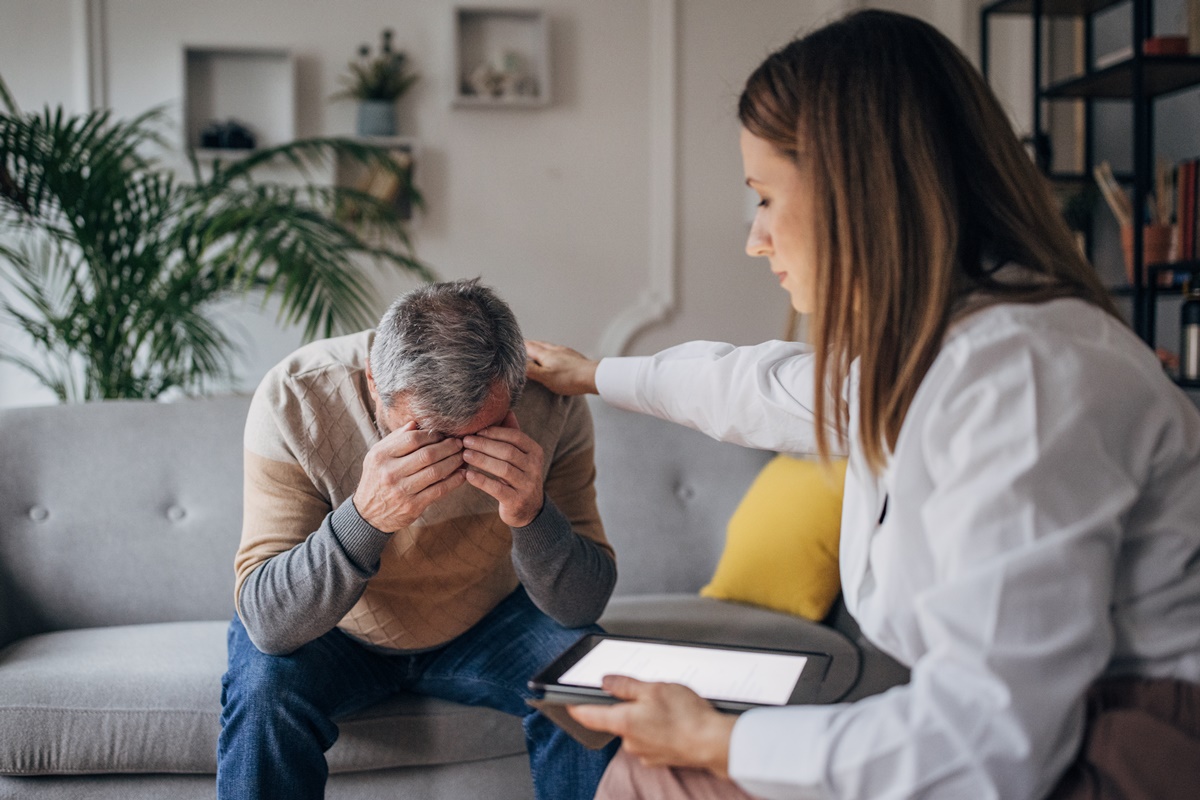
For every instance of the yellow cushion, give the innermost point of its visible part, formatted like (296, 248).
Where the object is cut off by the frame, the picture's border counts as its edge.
(781, 546)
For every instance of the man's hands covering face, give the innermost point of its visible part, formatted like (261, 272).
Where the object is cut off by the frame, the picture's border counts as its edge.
(404, 473)
(507, 464)
(410, 469)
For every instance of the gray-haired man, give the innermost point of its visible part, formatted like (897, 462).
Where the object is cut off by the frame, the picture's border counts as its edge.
(414, 519)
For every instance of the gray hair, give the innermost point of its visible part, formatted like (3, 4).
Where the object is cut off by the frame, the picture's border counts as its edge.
(444, 346)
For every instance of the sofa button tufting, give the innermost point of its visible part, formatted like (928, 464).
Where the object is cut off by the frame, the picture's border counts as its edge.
(176, 513)
(39, 513)
(685, 493)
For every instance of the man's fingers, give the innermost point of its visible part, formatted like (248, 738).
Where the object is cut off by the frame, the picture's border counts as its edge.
(439, 489)
(439, 470)
(498, 489)
(497, 467)
(502, 433)
(408, 439)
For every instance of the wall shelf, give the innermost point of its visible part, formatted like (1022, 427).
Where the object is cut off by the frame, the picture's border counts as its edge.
(501, 58)
(1138, 79)
(349, 172)
(1160, 75)
(253, 86)
(1051, 8)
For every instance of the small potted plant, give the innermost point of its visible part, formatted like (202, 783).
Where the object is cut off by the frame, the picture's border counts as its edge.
(377, 82)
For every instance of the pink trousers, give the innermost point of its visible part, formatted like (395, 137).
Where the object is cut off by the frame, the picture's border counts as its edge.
(1142, 743)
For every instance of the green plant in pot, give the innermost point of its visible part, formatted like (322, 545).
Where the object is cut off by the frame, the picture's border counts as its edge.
(112, 264)
(377, 82)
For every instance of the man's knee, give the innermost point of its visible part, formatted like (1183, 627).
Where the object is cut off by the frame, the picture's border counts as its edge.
(552, 640)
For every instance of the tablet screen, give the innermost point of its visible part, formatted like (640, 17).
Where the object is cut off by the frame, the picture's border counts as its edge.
(715, 674)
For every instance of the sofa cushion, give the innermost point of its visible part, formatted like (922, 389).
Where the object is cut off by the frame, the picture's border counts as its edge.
(147, 698)
(781, 548)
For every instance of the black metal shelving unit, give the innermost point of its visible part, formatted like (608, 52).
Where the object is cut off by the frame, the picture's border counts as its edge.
(1140, 79)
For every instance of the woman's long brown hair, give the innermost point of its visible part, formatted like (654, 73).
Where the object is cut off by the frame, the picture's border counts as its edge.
(921, 190)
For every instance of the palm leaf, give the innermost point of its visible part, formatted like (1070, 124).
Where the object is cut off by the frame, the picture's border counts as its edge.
(116, 297)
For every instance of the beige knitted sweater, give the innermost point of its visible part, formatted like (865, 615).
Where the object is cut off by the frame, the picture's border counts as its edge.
(311, 422)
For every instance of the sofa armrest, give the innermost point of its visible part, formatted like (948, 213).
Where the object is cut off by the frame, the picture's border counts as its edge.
(880, 671)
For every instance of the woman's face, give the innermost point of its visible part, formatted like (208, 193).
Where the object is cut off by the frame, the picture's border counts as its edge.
(782, 229)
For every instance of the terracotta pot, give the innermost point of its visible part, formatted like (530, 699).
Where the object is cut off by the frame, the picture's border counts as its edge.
(1156, 249)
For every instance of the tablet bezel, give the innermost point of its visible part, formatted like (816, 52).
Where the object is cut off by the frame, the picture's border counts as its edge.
(545, 683)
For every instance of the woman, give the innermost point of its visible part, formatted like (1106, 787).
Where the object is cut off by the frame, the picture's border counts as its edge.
(1021, 522)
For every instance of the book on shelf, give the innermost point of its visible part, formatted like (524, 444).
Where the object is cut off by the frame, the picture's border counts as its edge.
(1185, 176)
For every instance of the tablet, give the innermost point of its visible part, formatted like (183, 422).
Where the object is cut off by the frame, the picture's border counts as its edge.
(731, 678)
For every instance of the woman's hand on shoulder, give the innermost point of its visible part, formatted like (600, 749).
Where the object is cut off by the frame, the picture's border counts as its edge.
(662, 724)
(560, 369)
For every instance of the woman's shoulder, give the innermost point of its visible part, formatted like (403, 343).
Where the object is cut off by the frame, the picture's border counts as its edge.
(1064, 331)
(1039, 362)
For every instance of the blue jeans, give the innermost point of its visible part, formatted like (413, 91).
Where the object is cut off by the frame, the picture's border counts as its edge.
(278, 712)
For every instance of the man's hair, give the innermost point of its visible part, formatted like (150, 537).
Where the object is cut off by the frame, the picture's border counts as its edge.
(444, 347)
(919, 188)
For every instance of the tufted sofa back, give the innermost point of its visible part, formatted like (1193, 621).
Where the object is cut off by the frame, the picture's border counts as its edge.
(116, 513)
(665, 494)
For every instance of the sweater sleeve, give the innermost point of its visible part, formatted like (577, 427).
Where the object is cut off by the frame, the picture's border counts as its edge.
(563, 558)
(301, 565)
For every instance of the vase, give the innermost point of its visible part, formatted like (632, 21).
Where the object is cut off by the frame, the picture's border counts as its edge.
(376, 118)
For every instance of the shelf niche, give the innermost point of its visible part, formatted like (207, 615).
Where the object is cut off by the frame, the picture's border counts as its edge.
(376, 182)
(256, 87)
(501, 58)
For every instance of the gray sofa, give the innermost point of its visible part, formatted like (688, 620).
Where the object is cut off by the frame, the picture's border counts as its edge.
(118, 526)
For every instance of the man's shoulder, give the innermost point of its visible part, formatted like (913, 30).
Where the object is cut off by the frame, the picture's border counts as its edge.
(337, 353)
(550, 418)
(320, 386)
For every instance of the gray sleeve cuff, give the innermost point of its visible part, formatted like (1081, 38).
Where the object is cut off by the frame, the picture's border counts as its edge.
(549, 532)
(568, 576)
(361, 541)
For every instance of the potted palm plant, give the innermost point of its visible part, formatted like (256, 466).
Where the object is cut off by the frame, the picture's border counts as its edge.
(377, 82)
(111, 263)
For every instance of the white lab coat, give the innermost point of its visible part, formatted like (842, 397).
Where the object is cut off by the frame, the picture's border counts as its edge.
(1042, 530)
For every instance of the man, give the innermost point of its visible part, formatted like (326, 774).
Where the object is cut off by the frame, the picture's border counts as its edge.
(413, 520)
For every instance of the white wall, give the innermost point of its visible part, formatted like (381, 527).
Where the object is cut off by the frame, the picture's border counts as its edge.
(553, 207)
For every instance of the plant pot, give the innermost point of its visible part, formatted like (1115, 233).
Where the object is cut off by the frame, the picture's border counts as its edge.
(376, 118)
(1156, 249)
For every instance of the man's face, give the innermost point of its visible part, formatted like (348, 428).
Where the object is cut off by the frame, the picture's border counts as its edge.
(494, 410)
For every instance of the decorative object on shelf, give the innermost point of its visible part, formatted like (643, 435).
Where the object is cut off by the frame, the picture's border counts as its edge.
(1156, 249)
(1156, 235)
(1078, 207)
(1189, 336)
(237, 99)
(392, 185)
(228, 135)
(509, 80)
(1165, 46)
(501, 57)
(118, 262)
(377, 82)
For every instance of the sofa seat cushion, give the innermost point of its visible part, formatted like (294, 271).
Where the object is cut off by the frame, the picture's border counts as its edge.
(704, 619)
(147, 698)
